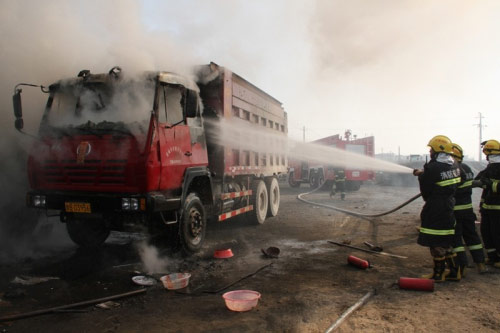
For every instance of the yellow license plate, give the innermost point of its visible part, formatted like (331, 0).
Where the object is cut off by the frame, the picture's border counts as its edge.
(77, 207)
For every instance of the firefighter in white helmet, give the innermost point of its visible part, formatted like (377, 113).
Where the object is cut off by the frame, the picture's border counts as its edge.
(488, 179)
(438, 182)
(465, 228)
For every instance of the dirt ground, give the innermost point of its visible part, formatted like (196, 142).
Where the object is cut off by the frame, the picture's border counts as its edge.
(306, 289)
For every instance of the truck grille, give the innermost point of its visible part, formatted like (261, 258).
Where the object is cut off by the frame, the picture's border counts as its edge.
(93, 172)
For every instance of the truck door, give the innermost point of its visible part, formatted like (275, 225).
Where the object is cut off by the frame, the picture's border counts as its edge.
(175, 142)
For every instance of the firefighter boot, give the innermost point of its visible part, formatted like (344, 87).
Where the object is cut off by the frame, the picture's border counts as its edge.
(481, 268)
(492, 258)
(462, 263)
(438, 274)
(454, 274)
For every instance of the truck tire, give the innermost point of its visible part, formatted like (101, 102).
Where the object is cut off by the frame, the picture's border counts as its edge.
(353, 185)
(315, 180)
(87, 232)
(260, 202)
(193, 224)
(292, 182)
(311, 180)
(273, 190)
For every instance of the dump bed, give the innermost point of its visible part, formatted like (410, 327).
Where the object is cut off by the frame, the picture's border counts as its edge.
(229, 98)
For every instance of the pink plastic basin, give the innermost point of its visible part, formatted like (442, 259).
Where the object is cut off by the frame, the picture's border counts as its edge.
(241, 300)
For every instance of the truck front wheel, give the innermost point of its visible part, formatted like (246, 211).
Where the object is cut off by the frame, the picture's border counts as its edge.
(260, 201)
(193, 224)
(87, 232)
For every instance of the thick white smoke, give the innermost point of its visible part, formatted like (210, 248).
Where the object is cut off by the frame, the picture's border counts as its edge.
(42, 42)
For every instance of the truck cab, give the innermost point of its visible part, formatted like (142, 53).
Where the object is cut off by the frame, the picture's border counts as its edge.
(113, 149)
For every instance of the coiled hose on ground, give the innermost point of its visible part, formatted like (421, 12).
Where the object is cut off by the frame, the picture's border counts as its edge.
(300, 197)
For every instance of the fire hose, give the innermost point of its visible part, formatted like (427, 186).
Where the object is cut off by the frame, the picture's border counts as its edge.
(300, 197)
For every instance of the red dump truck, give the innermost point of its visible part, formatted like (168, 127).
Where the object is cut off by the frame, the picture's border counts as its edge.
(317, 174)
(119, 153)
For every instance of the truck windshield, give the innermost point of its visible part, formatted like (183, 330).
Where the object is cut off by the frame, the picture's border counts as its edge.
(104, 107)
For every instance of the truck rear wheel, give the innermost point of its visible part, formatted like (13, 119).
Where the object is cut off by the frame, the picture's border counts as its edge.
(260, 201)
(87, 232)
(353, 185)
(193, 224)
(316, 180)
(273, 189)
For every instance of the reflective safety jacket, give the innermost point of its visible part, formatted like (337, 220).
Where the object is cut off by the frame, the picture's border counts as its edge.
(463, 201)
(438, 184)
(490, 199)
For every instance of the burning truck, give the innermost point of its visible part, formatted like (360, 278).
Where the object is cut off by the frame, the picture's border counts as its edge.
(319, 174)
(118, 153)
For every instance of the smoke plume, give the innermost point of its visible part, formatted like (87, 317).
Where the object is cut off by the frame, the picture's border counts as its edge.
(42, 42)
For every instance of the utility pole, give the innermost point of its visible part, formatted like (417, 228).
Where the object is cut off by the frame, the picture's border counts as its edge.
(480, 125)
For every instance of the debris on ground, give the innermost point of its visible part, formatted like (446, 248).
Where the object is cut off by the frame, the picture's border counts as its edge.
(374, 247)
(271, 252)
(31, 280)
(144, 280)
(108, 305)
(15, 293)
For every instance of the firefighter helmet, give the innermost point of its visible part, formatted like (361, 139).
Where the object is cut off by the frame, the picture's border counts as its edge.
(457, 151)
(440, 144)
(491, 147)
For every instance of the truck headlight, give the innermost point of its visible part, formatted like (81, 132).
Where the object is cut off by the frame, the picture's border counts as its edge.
(125, 203)
(130, 204)
(134, 204)
(39, 201)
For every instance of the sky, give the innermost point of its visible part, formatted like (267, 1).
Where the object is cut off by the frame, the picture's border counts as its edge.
(400, 70)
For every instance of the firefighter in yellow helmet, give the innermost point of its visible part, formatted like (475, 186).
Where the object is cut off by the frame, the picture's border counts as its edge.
(438, 181)
(488, 179)
(465, 227)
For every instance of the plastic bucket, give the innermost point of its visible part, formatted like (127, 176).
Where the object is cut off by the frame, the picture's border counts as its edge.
(175, 280)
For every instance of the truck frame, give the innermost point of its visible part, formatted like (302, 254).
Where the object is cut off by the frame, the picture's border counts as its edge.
(118, 153)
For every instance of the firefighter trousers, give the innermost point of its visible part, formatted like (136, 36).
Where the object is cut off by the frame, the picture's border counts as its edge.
(465, 232)
(490, 232)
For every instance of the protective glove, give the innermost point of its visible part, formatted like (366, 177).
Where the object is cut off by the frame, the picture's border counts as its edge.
(486, 182)
(417, 172)
(483, 182)
(477, 183)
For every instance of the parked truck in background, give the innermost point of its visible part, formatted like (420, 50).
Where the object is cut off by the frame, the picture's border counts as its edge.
(316, 174)
(118, 153)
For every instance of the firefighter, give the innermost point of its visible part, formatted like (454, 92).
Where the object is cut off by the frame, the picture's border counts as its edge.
(339, 184)
(438, 182)
(465, 228)
(488, 179)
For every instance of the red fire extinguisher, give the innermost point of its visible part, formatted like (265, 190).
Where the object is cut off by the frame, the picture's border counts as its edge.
(416, 284)
(358, 262)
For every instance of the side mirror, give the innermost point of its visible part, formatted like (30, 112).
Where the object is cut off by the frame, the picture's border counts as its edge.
(16, 101)
(19, 124)
(191, 103)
